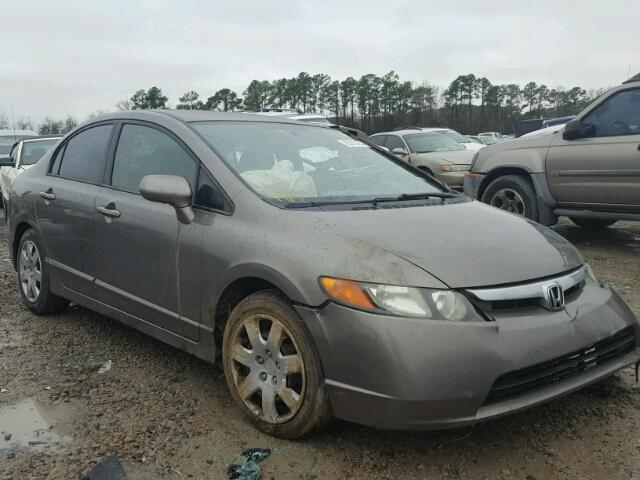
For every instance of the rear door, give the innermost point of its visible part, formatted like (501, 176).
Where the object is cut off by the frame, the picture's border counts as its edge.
(148, 264)
(65, 205)
(605, 168)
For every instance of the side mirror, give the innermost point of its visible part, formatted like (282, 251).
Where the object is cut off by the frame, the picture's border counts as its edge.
(399, 151)
(170, 189)
(7, 162)
(576, 129)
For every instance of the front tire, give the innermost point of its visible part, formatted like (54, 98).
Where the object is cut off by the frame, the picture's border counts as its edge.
(33, 277)
(272, 368)
(594, 223)
(514, 194)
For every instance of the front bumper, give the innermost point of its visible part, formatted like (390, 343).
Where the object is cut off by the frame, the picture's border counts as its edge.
(392, 372)
(471, 184)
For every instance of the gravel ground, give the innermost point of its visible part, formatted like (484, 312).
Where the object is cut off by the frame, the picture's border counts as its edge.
(167, 415)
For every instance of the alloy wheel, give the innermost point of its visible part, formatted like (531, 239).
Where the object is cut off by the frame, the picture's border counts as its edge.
(509, 200)
(30, 271)
(268, 369)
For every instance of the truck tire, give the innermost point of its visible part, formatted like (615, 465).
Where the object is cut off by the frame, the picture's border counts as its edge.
(513, 193)
(593, 222)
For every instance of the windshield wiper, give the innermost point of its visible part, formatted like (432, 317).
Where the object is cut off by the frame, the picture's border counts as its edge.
(374, 201)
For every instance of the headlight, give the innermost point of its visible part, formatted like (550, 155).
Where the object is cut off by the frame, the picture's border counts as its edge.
(591, 277)
(401, 301)
(454, 168)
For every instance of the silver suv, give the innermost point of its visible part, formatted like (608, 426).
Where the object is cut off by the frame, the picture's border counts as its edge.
(589, 170)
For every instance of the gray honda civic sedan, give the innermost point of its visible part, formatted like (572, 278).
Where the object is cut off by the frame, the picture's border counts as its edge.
(331, 278)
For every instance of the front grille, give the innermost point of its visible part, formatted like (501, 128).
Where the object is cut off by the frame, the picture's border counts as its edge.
(531, 378)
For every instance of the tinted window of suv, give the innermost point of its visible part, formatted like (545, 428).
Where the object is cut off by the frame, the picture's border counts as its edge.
(84, 155)
(148, 151)
(619, 115)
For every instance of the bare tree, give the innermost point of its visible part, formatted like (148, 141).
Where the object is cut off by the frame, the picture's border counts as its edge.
(4, 121)
(124, 105)
(24, 123)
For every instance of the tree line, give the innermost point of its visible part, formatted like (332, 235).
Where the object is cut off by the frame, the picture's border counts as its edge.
(375, 103)
(371, 103)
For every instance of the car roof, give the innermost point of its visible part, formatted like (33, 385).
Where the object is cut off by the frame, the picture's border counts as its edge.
(9, 132)
(635, 78)
(196, 116)
(42, 137)
(409, 131)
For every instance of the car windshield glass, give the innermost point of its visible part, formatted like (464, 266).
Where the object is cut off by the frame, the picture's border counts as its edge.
(288, 163)
(431, 142)
(455, 136)
(34, 150)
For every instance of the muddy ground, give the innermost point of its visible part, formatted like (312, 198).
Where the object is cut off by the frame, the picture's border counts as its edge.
(167, 415)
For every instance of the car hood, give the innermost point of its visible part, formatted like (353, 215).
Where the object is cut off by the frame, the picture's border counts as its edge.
(458, 157)
(463, 245)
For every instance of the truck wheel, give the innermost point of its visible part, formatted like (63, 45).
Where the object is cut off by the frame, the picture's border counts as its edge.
(592, 222)
(272, 367)
(33, 277)
(514, 194)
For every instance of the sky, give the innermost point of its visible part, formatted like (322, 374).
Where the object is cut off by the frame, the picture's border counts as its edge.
(78, 57)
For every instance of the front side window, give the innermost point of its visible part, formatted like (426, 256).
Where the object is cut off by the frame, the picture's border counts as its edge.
(145, 151)
(428, 142)
(287, 163)
(84, 155)
(619, 115)
(33, 150)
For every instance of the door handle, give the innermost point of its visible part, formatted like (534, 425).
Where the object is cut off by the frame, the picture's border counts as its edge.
(109, 210)
(48, 195)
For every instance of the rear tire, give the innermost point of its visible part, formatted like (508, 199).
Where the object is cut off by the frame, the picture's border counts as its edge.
(594, 223)
(34, 275)
(513, 193)
(274, 376)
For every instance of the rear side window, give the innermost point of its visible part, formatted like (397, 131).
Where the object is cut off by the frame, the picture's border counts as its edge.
(83, 157)
(148, 151)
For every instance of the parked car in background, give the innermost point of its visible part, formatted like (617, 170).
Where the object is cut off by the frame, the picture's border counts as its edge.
(587, 170)
(24, 154)
(456, 137)
(486, 140)
(431, 151)
(496, 135)
(295, 114)
(9, 137)
(334, 279)
(475, 139)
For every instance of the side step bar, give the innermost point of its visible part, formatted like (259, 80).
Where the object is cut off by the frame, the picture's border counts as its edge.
(591, 214)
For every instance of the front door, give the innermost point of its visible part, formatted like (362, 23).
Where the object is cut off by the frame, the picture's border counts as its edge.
(148, 264)
(65, 205)
(603, 169)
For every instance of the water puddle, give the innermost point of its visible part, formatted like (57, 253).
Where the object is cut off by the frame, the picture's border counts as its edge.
(35, 424)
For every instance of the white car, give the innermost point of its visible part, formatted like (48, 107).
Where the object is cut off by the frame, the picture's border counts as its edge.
(24, 154)
(466, 142)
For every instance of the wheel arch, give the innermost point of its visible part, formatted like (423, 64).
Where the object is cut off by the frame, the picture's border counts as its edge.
(240, 285)
(503, 171)
(19, 231)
